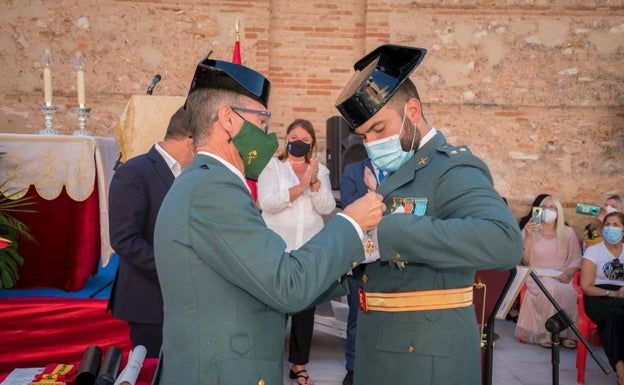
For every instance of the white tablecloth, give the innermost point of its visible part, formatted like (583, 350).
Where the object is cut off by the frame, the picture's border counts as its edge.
(49, 162)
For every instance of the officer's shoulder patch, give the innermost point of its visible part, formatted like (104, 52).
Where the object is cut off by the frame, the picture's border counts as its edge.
(453, 150)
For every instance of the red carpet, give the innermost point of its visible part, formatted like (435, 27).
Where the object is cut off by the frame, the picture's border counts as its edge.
(35, 332)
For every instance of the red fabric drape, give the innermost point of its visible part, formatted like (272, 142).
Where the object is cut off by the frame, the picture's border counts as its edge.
(67, 248)
(36, 332)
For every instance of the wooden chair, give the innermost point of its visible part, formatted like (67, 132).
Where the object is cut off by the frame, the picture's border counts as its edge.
(586, 326)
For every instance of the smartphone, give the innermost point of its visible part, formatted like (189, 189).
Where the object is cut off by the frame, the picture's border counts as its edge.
(584, 209)
(536, 215)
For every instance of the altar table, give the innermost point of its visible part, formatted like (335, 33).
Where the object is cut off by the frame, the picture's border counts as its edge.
(68, 178)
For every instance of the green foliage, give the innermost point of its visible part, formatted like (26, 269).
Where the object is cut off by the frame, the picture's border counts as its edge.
(12, 229)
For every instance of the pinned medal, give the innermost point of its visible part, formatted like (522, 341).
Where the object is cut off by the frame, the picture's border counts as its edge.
(409, 205)
(420, 206)
(369, 246)
(396, 203)
(371, 250)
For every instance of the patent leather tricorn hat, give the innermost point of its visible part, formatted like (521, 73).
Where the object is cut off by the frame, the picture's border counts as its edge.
(377, 77)
(224, 75)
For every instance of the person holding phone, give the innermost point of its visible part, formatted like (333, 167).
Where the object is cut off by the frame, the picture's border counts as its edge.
(593, 231)
(552, 250)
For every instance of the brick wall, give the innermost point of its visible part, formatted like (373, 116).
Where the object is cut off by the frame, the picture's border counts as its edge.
(535, 88)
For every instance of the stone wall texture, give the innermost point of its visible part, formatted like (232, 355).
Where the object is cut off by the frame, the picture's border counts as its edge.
(533, 87)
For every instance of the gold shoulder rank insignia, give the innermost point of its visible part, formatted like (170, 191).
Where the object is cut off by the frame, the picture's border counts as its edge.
(453, 150)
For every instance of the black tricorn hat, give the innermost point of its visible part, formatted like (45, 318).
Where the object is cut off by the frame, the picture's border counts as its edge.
(377, 76)
(224, 75)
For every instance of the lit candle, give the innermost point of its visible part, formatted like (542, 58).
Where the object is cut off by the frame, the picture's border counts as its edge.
(79, 66)
(47, 64)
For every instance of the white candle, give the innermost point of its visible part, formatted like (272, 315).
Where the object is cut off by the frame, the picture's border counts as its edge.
(47, 86)
(81, 89)
(79, 66)
(46, 64)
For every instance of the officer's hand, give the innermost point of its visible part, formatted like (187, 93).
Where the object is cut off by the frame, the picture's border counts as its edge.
(366, 211)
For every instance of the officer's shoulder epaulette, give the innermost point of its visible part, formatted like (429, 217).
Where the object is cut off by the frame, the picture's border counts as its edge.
(453, 150)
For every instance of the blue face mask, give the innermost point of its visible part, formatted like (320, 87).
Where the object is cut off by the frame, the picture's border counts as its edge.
(387, 153)
(613, 235)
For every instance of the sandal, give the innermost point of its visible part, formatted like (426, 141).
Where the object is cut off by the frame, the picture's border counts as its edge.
(568, 344)
(546, 344)
(298, 375)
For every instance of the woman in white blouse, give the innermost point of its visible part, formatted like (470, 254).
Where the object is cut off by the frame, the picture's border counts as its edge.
(602, 281)
(294, 191)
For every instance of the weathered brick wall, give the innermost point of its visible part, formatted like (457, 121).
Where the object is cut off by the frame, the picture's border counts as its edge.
(535, 88)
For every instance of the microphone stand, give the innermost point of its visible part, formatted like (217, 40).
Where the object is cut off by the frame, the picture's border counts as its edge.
(556, 324)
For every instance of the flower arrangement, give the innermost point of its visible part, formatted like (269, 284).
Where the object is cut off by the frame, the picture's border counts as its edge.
(11, 230)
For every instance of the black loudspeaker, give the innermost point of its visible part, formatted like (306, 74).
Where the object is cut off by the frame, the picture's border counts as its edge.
(343, 147)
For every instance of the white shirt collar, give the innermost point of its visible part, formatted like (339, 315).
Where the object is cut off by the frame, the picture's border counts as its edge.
(228, 165)
(427, 137)
(174, 166)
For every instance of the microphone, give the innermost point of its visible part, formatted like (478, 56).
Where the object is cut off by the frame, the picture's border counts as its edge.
(150, 89)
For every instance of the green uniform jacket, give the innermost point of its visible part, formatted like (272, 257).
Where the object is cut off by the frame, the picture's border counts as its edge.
(466, 227)
(227, 283)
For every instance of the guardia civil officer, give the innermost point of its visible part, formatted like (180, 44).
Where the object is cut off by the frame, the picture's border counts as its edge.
(444, 221)
(226, 281)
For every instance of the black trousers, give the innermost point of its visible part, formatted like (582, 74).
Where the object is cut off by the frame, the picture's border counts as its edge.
(148, 335)
(301, 329)
(608, 314)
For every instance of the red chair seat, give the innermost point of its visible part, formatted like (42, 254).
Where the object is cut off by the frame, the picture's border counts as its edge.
(586, 326)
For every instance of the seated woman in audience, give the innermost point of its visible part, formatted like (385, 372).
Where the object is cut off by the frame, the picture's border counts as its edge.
(553, 252)
(593, 230)
(602, 281)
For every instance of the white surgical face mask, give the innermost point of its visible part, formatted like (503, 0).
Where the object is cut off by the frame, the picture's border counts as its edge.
(549, 216)
(610, 209)
(387, 153)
